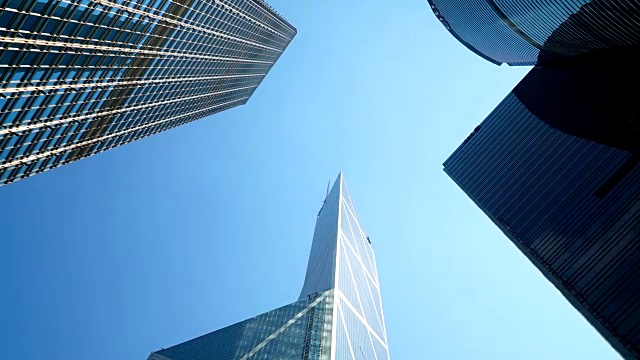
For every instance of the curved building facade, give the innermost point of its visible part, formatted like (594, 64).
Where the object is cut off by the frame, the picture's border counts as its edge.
(524, 32)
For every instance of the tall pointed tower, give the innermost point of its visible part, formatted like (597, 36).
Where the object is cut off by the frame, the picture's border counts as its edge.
(337, 316)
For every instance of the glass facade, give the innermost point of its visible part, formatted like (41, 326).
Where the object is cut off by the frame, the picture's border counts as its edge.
(337, 316)
(78, 77)
(525, 32)
(556, 167)
(342, 259)
(296, 331)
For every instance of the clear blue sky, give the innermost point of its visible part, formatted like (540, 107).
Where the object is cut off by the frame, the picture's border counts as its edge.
(200, 227)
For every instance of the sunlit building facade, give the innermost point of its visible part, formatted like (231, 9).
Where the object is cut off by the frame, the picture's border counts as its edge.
(78, 77)
(337, 316)
(530, 32)
(556, 166)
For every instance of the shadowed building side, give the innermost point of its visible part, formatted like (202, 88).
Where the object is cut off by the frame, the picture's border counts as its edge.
(555, 167)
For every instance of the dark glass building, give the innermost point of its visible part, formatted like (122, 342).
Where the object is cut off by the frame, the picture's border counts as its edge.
(337, 316)
(556, 167)
(529, 32)
(79, 77)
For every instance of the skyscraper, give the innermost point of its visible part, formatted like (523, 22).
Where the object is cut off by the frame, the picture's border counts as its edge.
(526, 32)
(80, 77)
(337, 316)
(556, 167)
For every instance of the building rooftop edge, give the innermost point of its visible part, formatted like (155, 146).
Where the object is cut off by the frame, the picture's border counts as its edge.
(274, 12)
(446, 25)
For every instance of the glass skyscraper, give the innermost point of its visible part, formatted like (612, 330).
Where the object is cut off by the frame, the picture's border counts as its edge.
(556, 166)
(337, 316)
(78, 77)
(530, 32)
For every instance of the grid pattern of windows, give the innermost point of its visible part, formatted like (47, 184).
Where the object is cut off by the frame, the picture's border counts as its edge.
(295, 331)
(525, 32)
(78, 77)
(556, 167)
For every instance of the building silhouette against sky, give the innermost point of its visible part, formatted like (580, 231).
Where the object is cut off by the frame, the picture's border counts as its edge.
(556, 167)
(337, 316)
(526, 32)
(80, 77)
